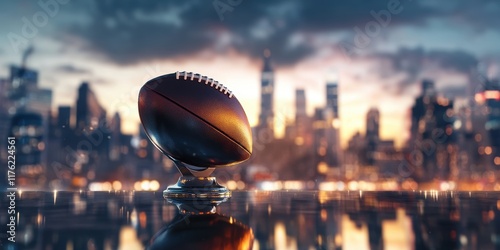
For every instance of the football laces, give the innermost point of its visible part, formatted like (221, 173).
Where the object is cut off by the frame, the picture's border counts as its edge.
(201, 78)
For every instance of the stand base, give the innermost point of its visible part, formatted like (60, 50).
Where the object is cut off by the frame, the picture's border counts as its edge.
(198, 188)
(196, 195)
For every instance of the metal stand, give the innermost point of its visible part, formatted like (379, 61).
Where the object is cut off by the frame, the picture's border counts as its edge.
(196, 184)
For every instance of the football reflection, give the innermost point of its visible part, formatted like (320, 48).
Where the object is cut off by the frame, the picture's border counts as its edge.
(207, 231)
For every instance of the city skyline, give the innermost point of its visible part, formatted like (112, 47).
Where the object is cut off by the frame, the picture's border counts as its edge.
(418, 40)
(83, 140)
(281, 118)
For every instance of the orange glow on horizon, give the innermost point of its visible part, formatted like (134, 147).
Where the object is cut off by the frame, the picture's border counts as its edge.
(355, 97)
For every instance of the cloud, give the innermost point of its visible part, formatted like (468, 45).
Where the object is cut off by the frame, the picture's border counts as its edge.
(126, 32)
(71, 69)
(481, 15)
(414, 62)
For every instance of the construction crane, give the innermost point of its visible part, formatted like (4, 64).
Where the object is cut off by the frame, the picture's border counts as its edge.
(26, 54)
(19, 87)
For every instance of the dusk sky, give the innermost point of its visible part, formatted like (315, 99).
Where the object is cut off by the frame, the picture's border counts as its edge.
(378, 51)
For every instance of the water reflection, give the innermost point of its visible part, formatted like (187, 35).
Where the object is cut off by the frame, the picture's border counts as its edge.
(278, 220)
(208, 231)
(199, 226)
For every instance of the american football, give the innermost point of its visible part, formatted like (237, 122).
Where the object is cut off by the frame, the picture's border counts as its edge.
(195, 119)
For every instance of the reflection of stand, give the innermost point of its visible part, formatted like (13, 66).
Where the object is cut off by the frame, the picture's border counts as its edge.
(196, 183)
(198, 226)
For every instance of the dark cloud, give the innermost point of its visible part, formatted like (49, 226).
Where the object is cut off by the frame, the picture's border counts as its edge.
(71, 69)
(326, 15)
(130, 31)
(479, 14)
(414, 61)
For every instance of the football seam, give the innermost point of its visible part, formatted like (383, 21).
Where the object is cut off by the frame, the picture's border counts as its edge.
(205, 121)
(214, 84)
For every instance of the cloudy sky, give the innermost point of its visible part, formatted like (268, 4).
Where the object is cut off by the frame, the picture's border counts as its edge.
(378, 51)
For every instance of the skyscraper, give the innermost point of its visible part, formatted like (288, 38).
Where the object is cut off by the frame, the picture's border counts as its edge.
(4, 90)
(266, 117)
(469, 139)
(92, 135)
(64, 117)
(300, 103)
(22, 80)
(490, 97)
(432, 135)
(29, 132)
(428, 88)
(24, 93)
(320, 126)
(116, 135)
(32, 105)
(372, 137)
(89, 113)
(4, 116)
(333, 124)
(39, 101)
(64, 125)
(302, 121)
(332, 98)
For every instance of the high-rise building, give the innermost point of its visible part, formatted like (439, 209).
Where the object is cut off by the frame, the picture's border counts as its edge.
(266, 117)
(332, 98)
(59, 141)
(39, 101)
(354, 155)
(300, 103)
(469, 139)
(24, 93)
(116, 135)
(302, 121)
(372, 137)
(63, 125)
(422, 103)
(28, 130)
(4, 98)
(320, 141)
(64, 117)
(490, 98)
(89, 113)
(22, 80)
(332, 132)
(432, 135)
(4, 116)
(428, 87)
(24, 101)
(92, 136)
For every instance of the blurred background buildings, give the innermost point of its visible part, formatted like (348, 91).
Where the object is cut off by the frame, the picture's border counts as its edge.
(82, 146)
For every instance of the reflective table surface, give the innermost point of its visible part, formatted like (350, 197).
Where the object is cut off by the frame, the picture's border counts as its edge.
(255, 220)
